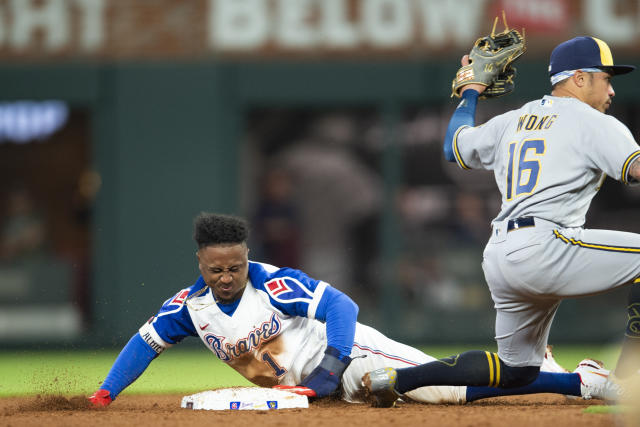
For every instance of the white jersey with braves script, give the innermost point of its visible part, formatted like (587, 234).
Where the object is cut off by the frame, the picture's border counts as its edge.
(271, 338)
(261, 342)
(549, 157)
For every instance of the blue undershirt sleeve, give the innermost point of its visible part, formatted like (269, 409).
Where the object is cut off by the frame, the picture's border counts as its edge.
(464, 115)
(132, 361)
(340, 313)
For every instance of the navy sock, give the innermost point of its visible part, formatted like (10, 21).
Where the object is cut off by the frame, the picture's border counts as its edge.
(547, 382)
(471, 368)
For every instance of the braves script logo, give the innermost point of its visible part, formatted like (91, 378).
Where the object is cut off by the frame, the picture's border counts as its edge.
(227, 352)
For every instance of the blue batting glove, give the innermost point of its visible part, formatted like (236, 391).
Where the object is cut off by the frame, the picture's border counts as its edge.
(325, 378)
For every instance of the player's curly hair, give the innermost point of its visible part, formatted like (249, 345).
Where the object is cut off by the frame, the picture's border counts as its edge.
(215, 229)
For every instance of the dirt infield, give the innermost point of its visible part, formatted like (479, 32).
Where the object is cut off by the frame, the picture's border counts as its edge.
(164, 410)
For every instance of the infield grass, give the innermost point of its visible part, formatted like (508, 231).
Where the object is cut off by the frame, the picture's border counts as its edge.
(176, 371)
(81, 372)
(606, 409)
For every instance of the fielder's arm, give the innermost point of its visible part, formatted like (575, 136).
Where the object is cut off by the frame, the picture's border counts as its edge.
(464, 115)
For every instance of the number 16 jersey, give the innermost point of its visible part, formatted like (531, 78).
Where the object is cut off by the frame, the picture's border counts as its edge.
(549, 158)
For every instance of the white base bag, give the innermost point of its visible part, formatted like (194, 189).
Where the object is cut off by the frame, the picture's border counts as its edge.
(243, 398)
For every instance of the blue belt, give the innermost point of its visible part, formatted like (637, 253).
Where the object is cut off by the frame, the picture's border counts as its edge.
(524, 221)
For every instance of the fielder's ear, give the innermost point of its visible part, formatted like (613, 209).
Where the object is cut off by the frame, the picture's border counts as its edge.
(579, 78)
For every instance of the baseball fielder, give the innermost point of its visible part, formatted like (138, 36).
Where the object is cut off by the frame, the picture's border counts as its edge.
(280, 327)
(549, 158)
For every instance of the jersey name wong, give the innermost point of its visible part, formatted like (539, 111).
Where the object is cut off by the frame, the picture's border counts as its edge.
(533, 122)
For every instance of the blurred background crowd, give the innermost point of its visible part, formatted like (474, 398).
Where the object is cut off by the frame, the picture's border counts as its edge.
(320, 121)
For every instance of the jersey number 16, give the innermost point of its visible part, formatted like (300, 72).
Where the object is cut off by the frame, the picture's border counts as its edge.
(525, 170)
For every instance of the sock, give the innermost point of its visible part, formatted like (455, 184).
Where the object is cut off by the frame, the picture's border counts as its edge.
(547, 382)
(628, 362)
(472, 368)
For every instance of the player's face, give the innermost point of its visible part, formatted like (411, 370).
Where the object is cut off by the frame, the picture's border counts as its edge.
(598, 91)
(225, 269)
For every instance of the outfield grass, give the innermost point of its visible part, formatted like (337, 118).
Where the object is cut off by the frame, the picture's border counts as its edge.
(176, 371)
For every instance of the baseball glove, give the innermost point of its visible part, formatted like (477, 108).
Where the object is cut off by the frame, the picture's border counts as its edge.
(490, 62)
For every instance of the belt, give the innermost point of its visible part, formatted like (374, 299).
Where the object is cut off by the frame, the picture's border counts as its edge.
(523, 221)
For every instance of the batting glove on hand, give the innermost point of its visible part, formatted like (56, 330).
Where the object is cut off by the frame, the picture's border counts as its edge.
(100, 398)
(325, 378)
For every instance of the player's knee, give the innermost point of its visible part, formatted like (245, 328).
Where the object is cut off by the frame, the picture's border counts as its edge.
(517, 376)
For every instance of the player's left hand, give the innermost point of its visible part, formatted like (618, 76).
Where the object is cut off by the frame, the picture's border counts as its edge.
(100, 399)
(324, 380)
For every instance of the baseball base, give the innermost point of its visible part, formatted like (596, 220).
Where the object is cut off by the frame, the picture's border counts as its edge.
(244, 398)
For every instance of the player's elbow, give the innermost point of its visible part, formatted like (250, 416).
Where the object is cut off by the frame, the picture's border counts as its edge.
(351, 305)
(448, 152)
(447, 146)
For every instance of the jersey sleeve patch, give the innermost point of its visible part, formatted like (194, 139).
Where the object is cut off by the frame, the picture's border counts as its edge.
(176, 303)
(288, 290)
(180, 297)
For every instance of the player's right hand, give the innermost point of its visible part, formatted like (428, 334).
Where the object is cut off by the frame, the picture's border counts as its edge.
(100, 399)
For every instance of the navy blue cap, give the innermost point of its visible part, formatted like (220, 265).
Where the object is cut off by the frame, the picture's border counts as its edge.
(585, 52)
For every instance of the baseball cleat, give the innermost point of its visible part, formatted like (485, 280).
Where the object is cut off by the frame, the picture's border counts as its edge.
(380, 385)
(549, 364)
(593, 379)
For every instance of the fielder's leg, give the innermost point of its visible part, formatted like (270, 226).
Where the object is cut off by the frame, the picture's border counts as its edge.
(472, 368)
(629, 360)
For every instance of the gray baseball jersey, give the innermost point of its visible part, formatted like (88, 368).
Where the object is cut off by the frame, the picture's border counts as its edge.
(549, 159)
